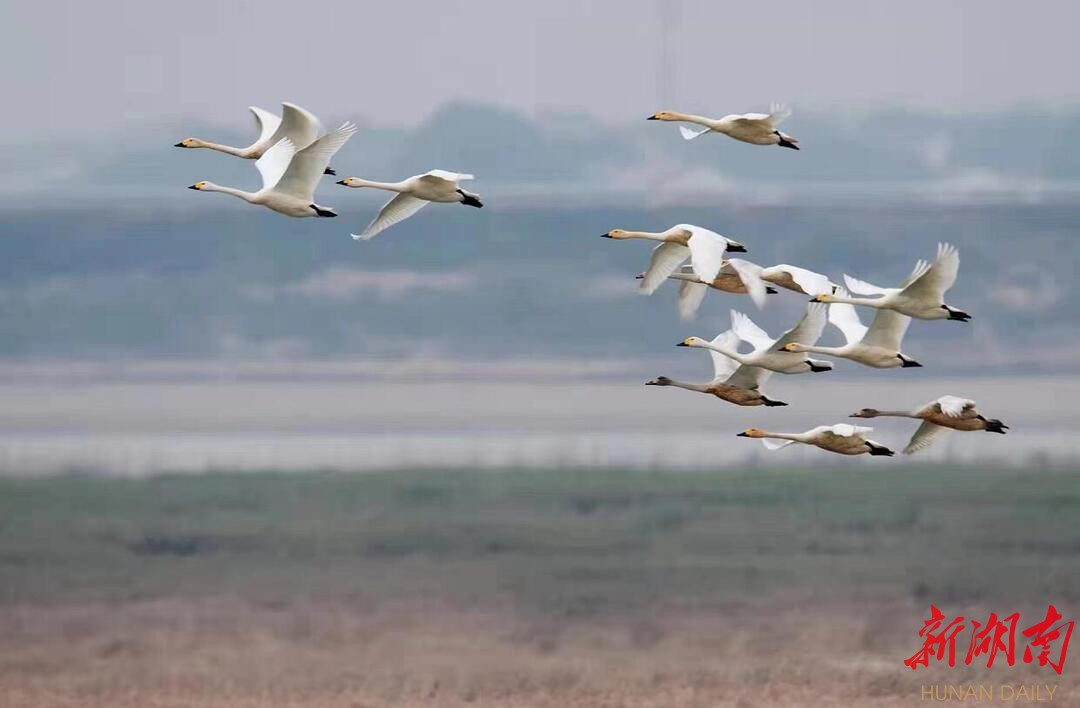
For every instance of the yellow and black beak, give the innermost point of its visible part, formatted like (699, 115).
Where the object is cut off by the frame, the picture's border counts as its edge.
(653, 117)
(194, 186)
(179, 145)
(741, 435)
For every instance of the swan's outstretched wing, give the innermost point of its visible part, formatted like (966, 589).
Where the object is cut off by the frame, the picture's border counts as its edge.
(401, 207)
(723, 366)
(846, 430)
(750, 275)
(861, 287)
(666, 258)
(275, 161)
(706, 252)
(810, 282)
(778, 113)
(937, 278)
(690, 296)
(956, 407)
(748, 377)
(921, 266)
(924, 436)
(690, 133)
(298, 125)
(309, 164)
(448, 176)
(745, 329)
(844, 318)
(886, 331)
(771, 444)
(748, 119)
(266, 122)
(809, 329)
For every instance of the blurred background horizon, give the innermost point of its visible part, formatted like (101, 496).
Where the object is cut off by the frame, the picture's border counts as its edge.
(139, 320)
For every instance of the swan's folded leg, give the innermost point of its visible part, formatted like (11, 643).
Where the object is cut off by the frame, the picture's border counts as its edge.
(690, 133)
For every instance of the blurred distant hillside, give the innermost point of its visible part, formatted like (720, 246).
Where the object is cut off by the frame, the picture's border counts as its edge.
(1028, 153)
(103, 253)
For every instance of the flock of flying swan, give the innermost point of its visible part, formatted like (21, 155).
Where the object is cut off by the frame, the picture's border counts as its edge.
(738, 377)
(293, 152)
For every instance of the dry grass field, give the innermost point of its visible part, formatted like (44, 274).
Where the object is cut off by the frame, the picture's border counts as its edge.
(520, 588)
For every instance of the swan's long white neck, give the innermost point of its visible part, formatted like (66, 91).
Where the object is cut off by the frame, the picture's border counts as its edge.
(867, 301)
(246, 196)
(817, 349)
(688, 277)
(895, 414)
(730, 353)
(227, 149)
(646, 235)
(796, 437)
(688, 386)
(390, 186)
(691, 118)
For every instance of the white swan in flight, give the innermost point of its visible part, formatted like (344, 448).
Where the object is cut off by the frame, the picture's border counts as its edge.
(290, 176)
(414, 194)
(704, 248)
(731, 382)
(295, 123)
(940, 416)
(840, 438)
(877, 345)
(754, 128)
(769, 353)
(921, 296)
(796, 279)
(736, 276)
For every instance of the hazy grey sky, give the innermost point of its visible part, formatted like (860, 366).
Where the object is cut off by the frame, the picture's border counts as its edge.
(85, 67)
